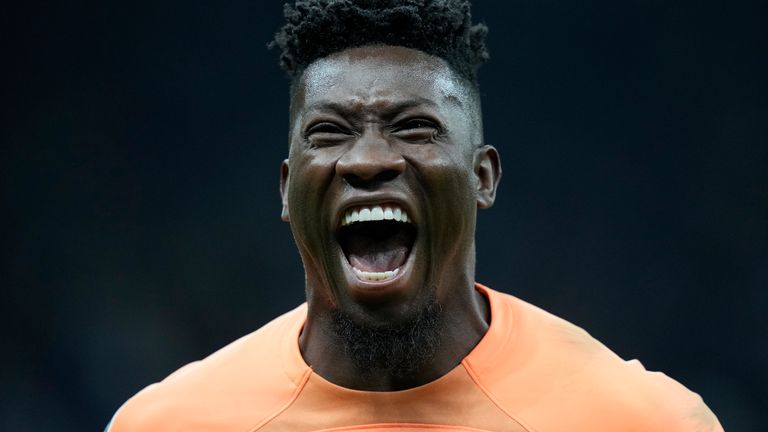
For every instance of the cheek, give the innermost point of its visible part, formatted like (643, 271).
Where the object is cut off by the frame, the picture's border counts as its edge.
(310, 178)
(446, 183)
(445, 173)
(450, 207)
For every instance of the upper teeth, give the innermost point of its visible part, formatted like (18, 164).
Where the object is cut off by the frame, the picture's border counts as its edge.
(374, 213)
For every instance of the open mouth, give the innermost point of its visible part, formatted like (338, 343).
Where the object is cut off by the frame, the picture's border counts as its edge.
(376, 240)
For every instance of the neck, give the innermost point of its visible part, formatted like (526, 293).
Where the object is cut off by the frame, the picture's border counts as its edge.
(334, 346)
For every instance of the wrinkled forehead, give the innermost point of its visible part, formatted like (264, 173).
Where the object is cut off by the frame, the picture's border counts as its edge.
(376, 76)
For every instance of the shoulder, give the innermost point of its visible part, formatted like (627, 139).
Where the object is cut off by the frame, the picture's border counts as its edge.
(232, 389)
(554, 376)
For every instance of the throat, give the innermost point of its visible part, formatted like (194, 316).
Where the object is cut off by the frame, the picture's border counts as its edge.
(377, 246)
(392, 355)
(359, 351)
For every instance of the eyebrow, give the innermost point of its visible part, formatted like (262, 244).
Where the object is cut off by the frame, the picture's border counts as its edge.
(388, 112)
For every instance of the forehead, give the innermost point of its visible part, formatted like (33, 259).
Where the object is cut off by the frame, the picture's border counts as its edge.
(378, 76)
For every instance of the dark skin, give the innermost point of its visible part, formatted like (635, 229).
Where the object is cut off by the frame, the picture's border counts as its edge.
(384, 124)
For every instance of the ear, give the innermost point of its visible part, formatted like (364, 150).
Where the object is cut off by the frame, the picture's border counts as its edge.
(284, 191)
(487, 167)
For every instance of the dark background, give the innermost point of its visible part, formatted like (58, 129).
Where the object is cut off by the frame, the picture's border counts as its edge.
(141, 231)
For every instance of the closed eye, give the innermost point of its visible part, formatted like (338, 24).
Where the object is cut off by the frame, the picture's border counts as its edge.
(326, 133)
(324, 127)
(417, 130)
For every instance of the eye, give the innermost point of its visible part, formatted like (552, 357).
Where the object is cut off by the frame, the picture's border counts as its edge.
(416, 129)
(326, 133)
(324, 127)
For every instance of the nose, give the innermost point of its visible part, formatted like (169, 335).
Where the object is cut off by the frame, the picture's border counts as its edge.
(370, 160)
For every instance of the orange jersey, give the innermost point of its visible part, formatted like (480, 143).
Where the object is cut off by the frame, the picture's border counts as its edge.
(532, 371)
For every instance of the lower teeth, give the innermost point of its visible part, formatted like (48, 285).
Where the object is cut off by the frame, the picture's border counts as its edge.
(375, 276)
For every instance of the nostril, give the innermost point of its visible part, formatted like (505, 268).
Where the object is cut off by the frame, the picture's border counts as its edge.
(387, 175)
(355, 180)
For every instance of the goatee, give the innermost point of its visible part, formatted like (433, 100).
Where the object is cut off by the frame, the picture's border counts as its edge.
(395, 349)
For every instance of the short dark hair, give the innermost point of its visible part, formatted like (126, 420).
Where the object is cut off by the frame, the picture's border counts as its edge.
(443, 28)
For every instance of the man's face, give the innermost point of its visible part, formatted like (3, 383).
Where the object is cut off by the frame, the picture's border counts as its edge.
(385, 173)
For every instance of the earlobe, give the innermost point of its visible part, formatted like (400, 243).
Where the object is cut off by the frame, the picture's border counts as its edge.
(284, 191)
(487, 167)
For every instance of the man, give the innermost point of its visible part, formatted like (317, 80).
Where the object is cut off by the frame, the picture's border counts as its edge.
(386, 169)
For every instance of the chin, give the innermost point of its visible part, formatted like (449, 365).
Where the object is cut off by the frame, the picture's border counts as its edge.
(391, 302)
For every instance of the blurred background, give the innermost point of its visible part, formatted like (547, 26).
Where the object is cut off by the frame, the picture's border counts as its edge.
(141, 144)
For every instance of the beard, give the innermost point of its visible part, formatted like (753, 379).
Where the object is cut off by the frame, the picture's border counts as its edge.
(394, 349)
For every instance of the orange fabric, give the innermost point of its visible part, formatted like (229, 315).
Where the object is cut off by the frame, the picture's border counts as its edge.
(531, 372)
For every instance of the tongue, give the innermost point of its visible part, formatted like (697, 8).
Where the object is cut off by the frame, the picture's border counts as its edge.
(378, 255)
